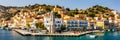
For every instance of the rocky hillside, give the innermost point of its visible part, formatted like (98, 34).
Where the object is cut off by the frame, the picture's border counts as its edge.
(8, 12)
(91, 11)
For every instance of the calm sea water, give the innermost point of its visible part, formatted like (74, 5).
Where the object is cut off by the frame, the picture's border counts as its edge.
(11, 35)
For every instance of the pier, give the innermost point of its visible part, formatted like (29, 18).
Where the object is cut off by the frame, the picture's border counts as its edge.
(26, 33)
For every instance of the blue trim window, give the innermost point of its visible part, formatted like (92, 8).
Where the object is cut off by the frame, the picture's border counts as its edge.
(80, 26)
(72, 22)
(83, 23)
(80, 23)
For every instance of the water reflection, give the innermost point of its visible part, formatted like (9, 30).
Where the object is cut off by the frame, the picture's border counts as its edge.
(115, 33)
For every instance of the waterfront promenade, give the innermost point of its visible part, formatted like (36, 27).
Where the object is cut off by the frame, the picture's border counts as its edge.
(26, 33)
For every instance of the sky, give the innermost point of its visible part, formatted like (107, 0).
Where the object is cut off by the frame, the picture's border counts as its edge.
(72, 4)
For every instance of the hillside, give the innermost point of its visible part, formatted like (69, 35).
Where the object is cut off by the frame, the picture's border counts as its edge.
(8, 12)
(92, 10)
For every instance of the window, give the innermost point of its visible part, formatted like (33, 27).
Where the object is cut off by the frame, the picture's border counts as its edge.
(85, 22)
(79, 22)
(106, 22)
(58, 25)
(58, 22)
(47, 21)
(75, 22)
(72, 22)
(80, 25)
(99, 18)
(72, 25)
(68, 22)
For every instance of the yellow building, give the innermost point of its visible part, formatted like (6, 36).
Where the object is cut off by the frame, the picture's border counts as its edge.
(100, 24)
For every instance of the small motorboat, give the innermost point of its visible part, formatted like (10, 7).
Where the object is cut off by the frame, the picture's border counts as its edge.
(92, 36)
(1, 28)
(113, 30)
(6, 28)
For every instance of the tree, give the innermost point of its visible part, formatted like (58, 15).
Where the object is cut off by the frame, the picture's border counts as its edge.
(68, 9)
(63, 28)
(28, 25)
(90, 14)
(43, 5)
(40, 25)
(76, 11)
(59, 6)
(71, 13)
(57, 15)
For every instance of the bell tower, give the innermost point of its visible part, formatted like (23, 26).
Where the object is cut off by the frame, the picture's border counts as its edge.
(52, 20)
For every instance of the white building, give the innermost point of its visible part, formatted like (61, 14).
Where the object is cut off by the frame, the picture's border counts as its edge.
(58, 22)
(117, 17)
(50, 21)
(47, 23)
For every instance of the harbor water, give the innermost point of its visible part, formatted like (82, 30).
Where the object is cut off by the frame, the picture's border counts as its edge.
(12, 35)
